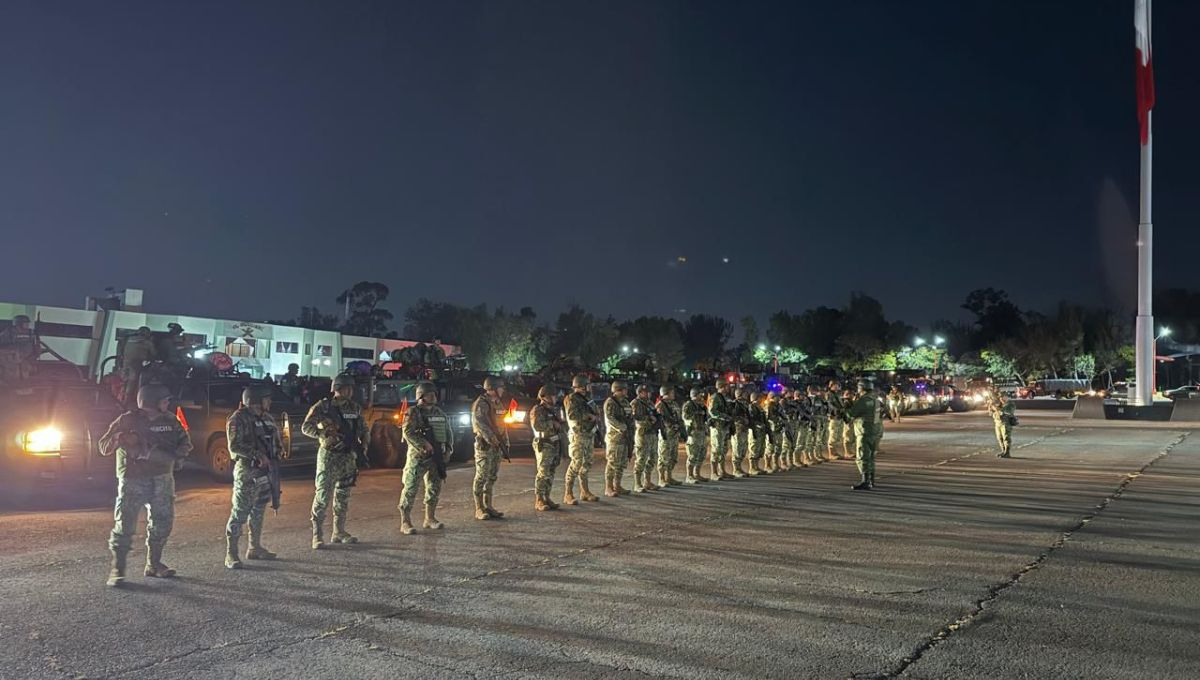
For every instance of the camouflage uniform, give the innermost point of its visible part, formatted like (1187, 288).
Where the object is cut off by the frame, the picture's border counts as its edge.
(834, 431)
(776, 435)
(337, 464)
(145, 479)
(758, 435)
(895, 404)
(645, 443)
(695, 417)
(139, 351)
(741, 437)
(817, 428)
(848, 436)
(491, 440)
(868, 427)
(428, 434)
(791, 427)
(720, 420)
(251, 436)
(668, 442)
(1004, 415)
(618, 421)
(582, 419)
(548, 431)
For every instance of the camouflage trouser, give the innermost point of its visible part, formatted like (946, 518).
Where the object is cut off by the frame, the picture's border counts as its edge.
(1003, 435)
(822, 435)
(789, 448)
(849, 436)
(668, 455)
(582, 447)
(776, 440)
(697, 445)
(758, 444)
(335, 475)
(616, 455)
(894, 410)
(834, 432)
(800, 447)
(420, 467)
(250, 501)
(741, 447)
(645, 452)
(868, 437)
(547, 453)
(487, 467)
(157, 495)
(720, 445)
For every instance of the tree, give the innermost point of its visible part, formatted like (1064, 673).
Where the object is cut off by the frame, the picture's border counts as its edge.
(428, 320)
(854, 351)
(818, 331)
(704, 339)
(579, 333)
(920, 358)
(311, 317)
(787, 355)
(659, 337)
(995, 317)
(1001, 367)
(366, 317)
(749, 337)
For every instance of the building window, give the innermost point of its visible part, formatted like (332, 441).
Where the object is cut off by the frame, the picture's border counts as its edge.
(287, 348)
(307, 348)
(239, 347)
(353, 353)
(324, 350)
(62, 330)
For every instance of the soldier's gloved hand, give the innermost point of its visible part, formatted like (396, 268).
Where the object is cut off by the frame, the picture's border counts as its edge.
(263, 462)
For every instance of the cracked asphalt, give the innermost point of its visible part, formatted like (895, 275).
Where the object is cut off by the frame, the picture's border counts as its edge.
(1078, 558)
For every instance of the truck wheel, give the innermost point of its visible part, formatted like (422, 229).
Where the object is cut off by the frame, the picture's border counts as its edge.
(220, 463)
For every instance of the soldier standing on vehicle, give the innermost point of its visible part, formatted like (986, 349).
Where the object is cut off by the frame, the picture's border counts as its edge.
(149, 443)
(549, 433)
(582, 420)
(18, 349)
(139, 351)
(337, 423)
(672, 431)
(868, 428)
(256, 448)
(618, 426)
(645, 440)
(291, 382)
(430, 442)
(695, 418)
(491, 443)
(720, 419)
(1004, 417)
(740, 442)
(758, 435)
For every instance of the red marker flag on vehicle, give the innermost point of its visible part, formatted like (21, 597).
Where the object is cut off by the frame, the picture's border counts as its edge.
(182, 419)
(1145, 66)
(403, 412)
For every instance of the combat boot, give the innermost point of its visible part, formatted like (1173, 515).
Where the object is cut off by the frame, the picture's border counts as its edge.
(116, 574)
(487, 505)
(617, 488)
(154, 566)
(340, 535)
(649, 485)
(569, 498)
(431, 521)
(585, 494)
(318, 538)
(692, 474)
(540, 504)
(751, 470)
(783, 464)
(864, 485)
(406, 526)
(231, 553)
(480, 512)
(638, 485)
(700, 474)
(256, 551)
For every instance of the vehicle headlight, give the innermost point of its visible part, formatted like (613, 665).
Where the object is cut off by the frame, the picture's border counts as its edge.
(44, 442)
(464, 419)
(513, 417)
(978, 398)
(911, 399)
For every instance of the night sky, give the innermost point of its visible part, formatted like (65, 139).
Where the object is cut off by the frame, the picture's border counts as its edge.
(242, 159)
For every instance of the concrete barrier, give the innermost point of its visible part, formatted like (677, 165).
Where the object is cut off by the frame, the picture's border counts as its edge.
(1186, 411)
(1089, 408)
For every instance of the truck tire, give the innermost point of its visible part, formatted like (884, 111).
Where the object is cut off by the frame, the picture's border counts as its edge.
(220, 463)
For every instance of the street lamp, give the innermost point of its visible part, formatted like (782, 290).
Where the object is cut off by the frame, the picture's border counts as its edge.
(625, 349)
(919, 341)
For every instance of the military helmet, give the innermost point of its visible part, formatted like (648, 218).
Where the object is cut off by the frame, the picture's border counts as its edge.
(643, 388)
(751, 391)
(174, 328)
(666, 390)
(833, 384)
(697, 392)
(547, 390)
(579, 380)
(424, 388)
(144, 331)
(254, 394)
(721, 383)
(20, 318)
(618, 385)
(493, 383)
(295, 366)
(343, 380)
(148, 396)
(739, 392)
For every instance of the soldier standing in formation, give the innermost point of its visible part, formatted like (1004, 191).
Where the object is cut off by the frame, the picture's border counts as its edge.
(582, 420)
(645, 440)
(1004, 417)
(430, 442)
(836, 411)
(491, 443)
(149, 443)
(618, 425)
(336, 423)
(256, 447)
(740, 442)
(776, 434)
(672, 430)
(720, 419)
(868, 429)
(695, 418)
(548, 436)
(800, 436)
(758, 434)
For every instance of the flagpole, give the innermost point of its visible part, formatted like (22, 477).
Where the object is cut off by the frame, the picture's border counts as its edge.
(1143, 392)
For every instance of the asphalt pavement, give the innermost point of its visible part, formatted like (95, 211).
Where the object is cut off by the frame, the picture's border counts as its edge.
(1077, 558)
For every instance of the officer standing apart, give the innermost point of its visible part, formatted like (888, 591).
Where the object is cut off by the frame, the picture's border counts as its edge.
(548, 435)
(336, 422)
(256, 447)
(491, 442)
(645, 440)
(672, 430)
(430, 442)
(720, 419)
(868, 430)
(582, 420)
(695, 418)
(1004, 416)
(618, 424)
(895, 403)
(149, 443)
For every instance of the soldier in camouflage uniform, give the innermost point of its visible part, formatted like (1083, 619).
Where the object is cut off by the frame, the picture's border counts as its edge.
(549, 433)
(1004, 417)
(800, 428)
(582, 420)
(645, 440)
(256, 448)
(820, 421)
(777, 436)
(430, 442)
(618, 424)
(848, 438)
(758, 434)
(720, 421)
(791, 424)
(868, 426)
(740, 442)
(149, 443)
(695, 418)
(491, 443)
(336, 422)
(672, 430)
(837, 411)
(895, 400)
